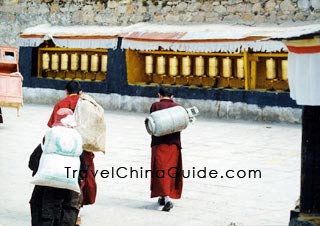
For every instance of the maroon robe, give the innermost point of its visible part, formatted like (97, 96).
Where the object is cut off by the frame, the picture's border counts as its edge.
(88, 185)
(166, 160)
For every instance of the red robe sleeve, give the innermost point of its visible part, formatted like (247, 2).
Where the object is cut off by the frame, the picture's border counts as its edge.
(52, 117)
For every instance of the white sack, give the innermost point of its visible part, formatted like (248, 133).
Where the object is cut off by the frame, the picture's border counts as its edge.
(62, 148)
(52, 172)
(91, 123)
(64, 141)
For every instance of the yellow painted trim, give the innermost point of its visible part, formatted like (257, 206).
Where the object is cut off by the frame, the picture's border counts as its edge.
(315, 41)
(190, 53)
(246, 70)
(135, 67)
(39, 64)
(253, 75)
(73, 49)
(269, 54)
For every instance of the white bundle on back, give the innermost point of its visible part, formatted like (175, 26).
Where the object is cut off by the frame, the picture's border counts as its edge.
(170, 120)
(61, 149)
(64, 141)
(91, 123)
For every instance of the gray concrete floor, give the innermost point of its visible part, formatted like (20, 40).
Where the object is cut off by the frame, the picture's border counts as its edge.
(215, 144)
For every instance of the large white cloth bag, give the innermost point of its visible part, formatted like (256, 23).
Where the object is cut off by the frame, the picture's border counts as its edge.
(52, 172)
(91, 123)
(59, 159)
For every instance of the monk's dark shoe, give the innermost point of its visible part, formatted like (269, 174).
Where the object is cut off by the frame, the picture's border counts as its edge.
(161, 201)
(168, 206)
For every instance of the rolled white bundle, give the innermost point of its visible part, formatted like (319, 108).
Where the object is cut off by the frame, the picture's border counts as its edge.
(170, 120)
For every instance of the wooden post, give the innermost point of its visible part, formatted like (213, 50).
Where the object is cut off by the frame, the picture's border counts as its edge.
(310, 168)
(310, 160)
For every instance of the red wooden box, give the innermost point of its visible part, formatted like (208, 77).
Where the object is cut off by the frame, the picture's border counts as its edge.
(10, 78)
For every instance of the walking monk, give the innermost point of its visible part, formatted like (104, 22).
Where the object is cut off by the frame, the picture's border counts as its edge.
(166, 157)
(52, 205)
(88, 185)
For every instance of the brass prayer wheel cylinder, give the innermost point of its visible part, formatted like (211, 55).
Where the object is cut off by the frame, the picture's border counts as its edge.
(271, 68)
(74, 62)
(104, 62)
(84, 62)
(94, 63)
(199, 62)
(45, 61)
(284, 70)
(149, 65)
(213, 67)
(64, 62)
(173, 66)
(55, 62)
(186, 66)
(227, 67)
(240, 68)
(161, 65)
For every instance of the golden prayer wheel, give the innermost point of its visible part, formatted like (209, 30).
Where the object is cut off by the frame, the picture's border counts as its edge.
(149, 65)
(55, 62)
(161, 65)
(213, 67)
(74, 62)
(64, 62)
(84, 62)
(104, 62)
(45, 61)
(227, 67)
(94, 63)
(240, 68)
(271, 68)
(173, 66)
(186, 66)
(199, 62)
(284, 69)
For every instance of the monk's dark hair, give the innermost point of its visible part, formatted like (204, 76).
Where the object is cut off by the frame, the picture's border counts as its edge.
(73, 87)
(165, 91)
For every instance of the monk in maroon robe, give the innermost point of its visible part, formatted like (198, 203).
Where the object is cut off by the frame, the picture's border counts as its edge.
(88, 185)
(166, 158)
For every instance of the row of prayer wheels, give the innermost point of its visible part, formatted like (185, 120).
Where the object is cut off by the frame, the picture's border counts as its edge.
(207, 67)
(271, 69)
(74, 62)
(201, 66)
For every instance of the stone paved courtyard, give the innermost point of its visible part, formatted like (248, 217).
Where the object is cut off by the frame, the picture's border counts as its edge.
(216, 144)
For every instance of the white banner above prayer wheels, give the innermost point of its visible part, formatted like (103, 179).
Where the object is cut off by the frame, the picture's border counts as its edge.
(304, 70)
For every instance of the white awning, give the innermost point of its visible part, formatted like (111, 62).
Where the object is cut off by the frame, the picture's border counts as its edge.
(198, 46)
(210, 37)
(72, 36)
